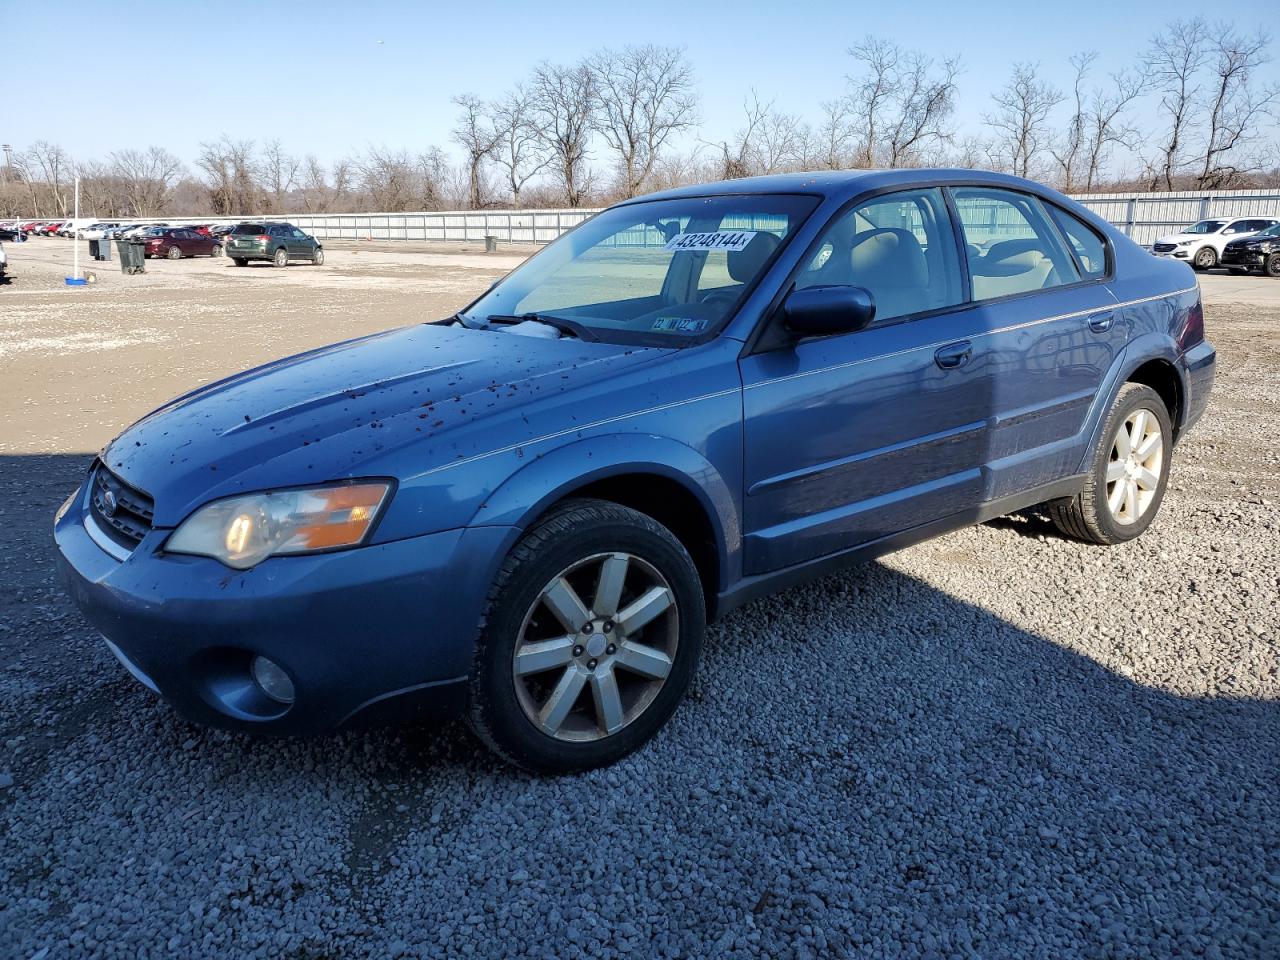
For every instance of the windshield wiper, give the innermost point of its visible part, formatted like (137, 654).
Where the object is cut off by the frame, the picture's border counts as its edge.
(560, 323)
(465, 321)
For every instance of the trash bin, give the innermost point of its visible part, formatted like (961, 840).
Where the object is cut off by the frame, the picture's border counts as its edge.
(100, 249)
(490, 244)
(132, 256)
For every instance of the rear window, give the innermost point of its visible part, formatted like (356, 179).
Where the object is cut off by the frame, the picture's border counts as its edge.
(249, 229)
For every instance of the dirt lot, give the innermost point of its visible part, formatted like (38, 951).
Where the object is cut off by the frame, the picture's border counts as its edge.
(1014, 745)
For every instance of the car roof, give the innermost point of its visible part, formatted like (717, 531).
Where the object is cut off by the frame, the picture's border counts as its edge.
(846, 184)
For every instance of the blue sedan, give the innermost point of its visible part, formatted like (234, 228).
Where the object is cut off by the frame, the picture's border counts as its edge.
(527, 513)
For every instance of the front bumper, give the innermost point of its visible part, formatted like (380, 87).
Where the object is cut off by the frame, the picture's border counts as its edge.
(1246, 257)
(384, 629)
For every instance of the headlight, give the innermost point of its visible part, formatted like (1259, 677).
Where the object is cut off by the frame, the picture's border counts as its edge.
(1185, 243)
(1265, 246)
(244, 531)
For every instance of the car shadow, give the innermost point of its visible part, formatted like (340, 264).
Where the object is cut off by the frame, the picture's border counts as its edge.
(865, 756)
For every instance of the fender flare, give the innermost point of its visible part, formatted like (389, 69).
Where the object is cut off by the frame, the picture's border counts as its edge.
(1148, 347)
(529, 492)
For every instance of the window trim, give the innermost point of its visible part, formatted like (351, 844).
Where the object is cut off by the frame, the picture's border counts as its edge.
(764, 337)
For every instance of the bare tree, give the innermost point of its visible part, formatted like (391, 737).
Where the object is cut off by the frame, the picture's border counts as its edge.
(1235, 107)
(835, 134)
(565, 104)
(782, 142)
(147, 178)
(738, 157)
(1104, 120)
(1175, 59)
(389, 179)
(518, 151)
(279, 172)
(902, 101)
(1022, 116)
(644, 96)
(54, 168)
(1069, 153)
(478, 139)
(232, 175)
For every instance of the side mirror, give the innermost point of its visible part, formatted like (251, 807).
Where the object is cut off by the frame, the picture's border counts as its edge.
(819, 311)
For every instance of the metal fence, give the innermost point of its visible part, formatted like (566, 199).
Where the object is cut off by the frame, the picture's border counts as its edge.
(1146, 216)
(1143, 216)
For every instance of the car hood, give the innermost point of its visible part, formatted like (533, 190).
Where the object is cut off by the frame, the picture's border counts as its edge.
(1184, 237)
(1254, 239)
(345, 410)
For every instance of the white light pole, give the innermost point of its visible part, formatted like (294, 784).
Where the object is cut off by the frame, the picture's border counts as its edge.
(75, 269)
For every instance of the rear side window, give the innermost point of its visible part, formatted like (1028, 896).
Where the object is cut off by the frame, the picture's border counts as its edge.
(1089, 246)
(900, 247)
(249, 229)
(1011, 246)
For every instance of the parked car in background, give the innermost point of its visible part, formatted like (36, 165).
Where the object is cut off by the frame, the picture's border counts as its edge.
(136, 230)
(4, 261)
(1260, 251)
(1202, 244)
(178, 242)
(98, 231)
(690, 400)
(274, 241)
(200, 228)
(10, 232)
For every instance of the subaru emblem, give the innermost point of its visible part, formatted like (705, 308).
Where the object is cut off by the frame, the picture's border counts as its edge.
(109, 503)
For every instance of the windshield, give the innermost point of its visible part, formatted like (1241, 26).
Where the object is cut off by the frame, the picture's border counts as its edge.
(1206, 226)
(663, 271)
(1271, 231)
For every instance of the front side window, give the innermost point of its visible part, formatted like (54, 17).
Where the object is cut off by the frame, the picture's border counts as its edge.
(1011, 246)
(660, 271)
(900, 247)
(1089, 246)
(1206, 226)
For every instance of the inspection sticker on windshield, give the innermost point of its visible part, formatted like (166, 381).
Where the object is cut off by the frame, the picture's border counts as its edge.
(712, 240)
(679, 324)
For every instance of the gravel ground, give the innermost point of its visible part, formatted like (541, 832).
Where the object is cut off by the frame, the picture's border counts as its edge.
(998, 744)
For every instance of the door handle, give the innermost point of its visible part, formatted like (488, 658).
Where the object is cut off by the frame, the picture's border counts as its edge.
(953, 355)
(1101, 322)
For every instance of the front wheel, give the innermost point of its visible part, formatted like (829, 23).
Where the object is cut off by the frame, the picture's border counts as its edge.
(175, 253)
(1206, 258)
(1273, 265)
(281, 259)
(318, 257)
(1129, 473)
(591, 638)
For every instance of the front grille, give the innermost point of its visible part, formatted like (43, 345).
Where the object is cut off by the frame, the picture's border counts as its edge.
(1165, 247)
(124, 513)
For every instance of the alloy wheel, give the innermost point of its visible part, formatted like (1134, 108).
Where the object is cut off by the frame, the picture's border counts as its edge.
(1137, 460)
(596, 647)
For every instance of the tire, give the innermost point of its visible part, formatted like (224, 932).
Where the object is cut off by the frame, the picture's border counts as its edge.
(514, 711)
(1273, 266)
(175, 253)
(216, 251)
(317, 257)
(281, 258)
(240, 261)
(1089, 515)
(1206, 258)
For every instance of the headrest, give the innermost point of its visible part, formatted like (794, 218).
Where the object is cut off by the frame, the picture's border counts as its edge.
(1008, 249)
(745, 264)
(888, 257)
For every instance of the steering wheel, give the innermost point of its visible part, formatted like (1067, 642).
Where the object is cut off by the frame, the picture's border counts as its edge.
(721, 298)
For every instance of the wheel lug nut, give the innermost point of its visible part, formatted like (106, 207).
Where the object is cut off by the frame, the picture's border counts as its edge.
(611, 650)
(577, 651)
(591, 664)
(608, 626)
(587, 628)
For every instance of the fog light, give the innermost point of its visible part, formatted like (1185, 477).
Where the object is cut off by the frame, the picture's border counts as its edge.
(270, 676)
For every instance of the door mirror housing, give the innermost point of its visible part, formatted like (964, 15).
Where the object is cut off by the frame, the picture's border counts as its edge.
(821, 311)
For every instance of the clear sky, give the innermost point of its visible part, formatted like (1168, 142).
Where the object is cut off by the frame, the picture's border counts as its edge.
(333, 78)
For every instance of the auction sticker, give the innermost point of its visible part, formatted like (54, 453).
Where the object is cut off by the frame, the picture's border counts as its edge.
(680, 324)
(712, 240)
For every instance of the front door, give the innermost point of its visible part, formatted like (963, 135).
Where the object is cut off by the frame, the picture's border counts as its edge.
(852, 438)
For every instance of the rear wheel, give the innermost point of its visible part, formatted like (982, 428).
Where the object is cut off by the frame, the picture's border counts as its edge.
(216, 250)
(175, 253)
(318, 257)
(1130, 471)
(1205, 258)
(281, 259)
(591, 638)
(1273, 265)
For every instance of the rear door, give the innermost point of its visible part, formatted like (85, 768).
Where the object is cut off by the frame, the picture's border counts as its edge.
(852, 438)
(1053, 331)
